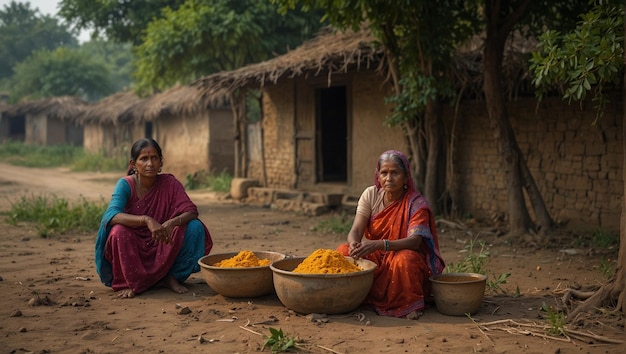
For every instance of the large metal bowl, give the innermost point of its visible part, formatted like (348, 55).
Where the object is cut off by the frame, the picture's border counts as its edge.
(457, 294)
(239, 282)
(321, 293)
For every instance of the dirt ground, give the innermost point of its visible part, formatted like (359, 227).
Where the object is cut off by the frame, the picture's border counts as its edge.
(77, 314)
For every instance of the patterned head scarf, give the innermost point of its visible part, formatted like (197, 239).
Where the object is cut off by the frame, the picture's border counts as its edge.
(395, 155)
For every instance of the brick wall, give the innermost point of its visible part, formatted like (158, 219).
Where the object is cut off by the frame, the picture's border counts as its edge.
(577, 165)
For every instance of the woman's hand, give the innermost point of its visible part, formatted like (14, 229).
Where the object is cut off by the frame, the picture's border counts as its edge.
(160, 233)
(363, 248)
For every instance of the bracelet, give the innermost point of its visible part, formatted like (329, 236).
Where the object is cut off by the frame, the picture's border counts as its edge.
(386, 242)
(180, 221)
(143, 220)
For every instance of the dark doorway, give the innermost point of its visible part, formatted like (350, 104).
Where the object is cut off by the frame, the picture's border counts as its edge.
(332, 133)
(148, 130)
(17, 128)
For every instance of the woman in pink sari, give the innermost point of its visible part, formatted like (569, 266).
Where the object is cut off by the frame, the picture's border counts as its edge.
(150, 233)
(395, 228)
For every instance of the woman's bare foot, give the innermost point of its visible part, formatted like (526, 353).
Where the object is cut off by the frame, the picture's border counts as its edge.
(173, 284)
(126, 294)
(415, 315)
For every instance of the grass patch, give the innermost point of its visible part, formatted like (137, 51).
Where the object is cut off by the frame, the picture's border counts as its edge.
(99, 163)
(335, 224)
(20, 154)
(216, 183)
(53, 215)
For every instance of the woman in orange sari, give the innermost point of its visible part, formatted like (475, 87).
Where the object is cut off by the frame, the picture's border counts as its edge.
(400, 237)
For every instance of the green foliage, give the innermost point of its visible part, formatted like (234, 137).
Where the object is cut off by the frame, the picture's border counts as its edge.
(24, 30)
(584, 60)
(278, 342)
(20, 154)
(203, 37)
(216, 183)
(118, 58)
(556, 320)
(53, 215)
(336, 224)
(62, 72)
(98, 162)
(475, 261)
(121, 21)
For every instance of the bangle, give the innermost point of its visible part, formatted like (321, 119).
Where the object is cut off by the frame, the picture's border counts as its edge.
(180, 221)
(386, 242)
(143, 220)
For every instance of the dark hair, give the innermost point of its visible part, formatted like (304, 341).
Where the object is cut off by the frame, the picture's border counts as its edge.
(395, 158)
(139, 145)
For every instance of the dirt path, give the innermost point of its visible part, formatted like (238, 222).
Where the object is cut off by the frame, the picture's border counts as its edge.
(80, 315)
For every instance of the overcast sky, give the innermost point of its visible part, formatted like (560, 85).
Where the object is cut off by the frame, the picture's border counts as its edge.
(48, 7)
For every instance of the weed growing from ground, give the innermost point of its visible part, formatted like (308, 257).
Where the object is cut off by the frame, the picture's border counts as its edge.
(278, 341)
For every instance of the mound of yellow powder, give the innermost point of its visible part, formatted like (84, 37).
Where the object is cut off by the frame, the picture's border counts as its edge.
(244, 259)
(324, 261)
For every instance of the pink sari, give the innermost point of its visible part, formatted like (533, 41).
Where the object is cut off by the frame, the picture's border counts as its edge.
(131, 258)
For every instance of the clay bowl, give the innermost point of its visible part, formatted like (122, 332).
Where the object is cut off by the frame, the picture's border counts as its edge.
(458, 294)
(239, 282)
(321, 293)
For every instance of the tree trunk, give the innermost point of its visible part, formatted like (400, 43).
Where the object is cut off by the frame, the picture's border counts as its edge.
(435, 136)
(519, 219)
(414, 138)
(614, 292)
(543, 219)
(237, 105)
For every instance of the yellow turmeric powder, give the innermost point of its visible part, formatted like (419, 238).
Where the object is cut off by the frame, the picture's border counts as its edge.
(323, 261)
(244, 259)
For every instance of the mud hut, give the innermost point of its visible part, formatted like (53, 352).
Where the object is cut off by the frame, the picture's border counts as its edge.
(323, 114)
(103, 131)
(49, 121)
(195, 135)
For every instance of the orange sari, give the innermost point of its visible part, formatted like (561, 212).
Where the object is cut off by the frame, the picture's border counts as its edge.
(401, 278)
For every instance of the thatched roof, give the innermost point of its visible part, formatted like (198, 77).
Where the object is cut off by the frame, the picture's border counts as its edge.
(174, 102)
(63, 108)
(331, 52)
(334, 52)
(109, 109)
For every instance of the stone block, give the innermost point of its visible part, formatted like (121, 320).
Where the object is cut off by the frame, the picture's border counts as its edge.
(239, 187)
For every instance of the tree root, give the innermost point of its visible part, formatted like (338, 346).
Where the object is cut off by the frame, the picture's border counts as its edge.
(537, 330)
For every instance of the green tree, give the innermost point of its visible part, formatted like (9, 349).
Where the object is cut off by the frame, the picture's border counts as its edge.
(24, 30)
(590, 59)
(203, 37)
(61, 72)
(120, 21)
(118, 59)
